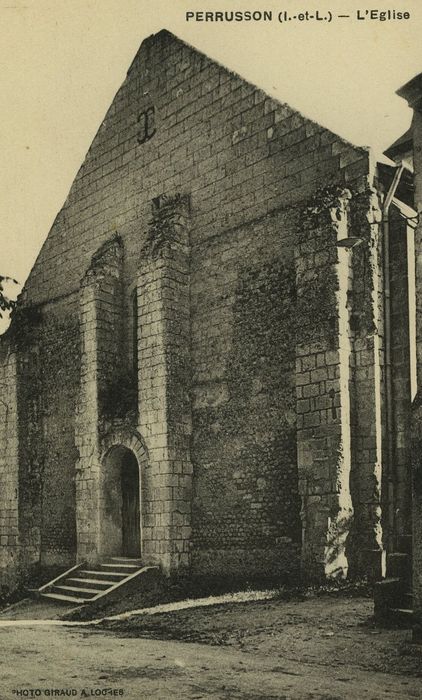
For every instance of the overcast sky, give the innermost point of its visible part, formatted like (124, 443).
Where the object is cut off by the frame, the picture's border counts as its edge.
(62, 61)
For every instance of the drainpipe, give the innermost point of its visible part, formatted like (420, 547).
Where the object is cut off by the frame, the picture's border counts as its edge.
(392, 476)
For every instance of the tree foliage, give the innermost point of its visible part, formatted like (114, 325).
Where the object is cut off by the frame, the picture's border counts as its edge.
(9, 289)
(7, 301)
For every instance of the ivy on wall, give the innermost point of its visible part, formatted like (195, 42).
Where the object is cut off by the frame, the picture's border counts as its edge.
(25, 322)
(363, 321)
(316, 255)
(318, 210)
(163, 227)
(119, 397)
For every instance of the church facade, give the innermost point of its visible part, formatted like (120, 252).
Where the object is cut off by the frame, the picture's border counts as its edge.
(211, 363)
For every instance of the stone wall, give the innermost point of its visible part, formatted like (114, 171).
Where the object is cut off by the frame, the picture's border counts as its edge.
(164, 385)
(102, 355)
(47, 390)
(417, 404)
(246, 504)
(39, 377)
(9, 472)
(401, 375)
(323, 350)
(184, 124)
(367, 413)
(238, 153)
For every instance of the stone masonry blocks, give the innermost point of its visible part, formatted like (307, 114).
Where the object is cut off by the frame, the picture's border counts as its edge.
(100, 333)
(249, 163)
(322, 383)
(164, 381)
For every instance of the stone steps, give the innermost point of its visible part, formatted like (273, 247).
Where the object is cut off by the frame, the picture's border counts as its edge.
(78, 589)
(94, 581)
(83, 585)
(117, 565)
(109, 574)
(64, 598)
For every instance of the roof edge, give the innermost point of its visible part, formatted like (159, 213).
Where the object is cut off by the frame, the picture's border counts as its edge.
(412, 92)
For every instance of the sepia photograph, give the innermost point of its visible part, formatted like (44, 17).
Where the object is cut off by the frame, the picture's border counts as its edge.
(211, 350)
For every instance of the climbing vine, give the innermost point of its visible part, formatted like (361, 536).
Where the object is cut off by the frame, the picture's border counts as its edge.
(318, 207)
(24, 323)
(163, 227)
(118, 398)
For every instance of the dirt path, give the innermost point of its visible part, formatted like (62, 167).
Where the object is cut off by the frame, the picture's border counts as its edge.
(67, 658)
(319, 648)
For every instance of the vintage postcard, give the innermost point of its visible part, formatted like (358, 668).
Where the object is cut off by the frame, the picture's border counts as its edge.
(210, 349)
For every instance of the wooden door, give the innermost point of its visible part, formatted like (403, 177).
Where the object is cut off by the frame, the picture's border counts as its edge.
(131, 523)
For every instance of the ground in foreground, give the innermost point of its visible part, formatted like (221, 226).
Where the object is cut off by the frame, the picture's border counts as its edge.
(322, 647)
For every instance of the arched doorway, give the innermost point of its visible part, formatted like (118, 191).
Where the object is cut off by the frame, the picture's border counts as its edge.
(131, 520)
(121, 522)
